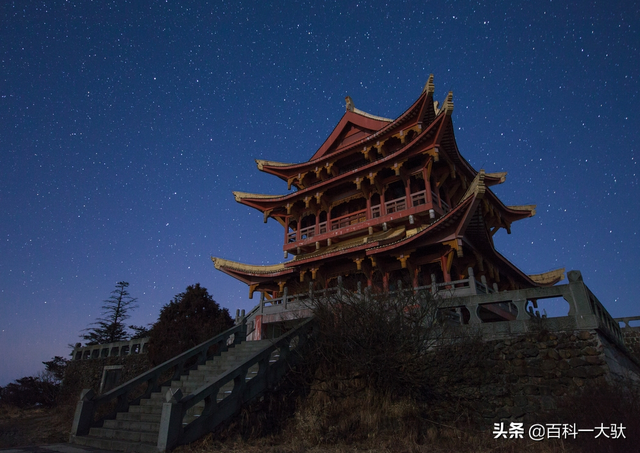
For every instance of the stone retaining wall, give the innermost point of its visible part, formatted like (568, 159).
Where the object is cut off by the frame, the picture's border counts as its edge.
(84, 374)
(520, 377)
(632, 340)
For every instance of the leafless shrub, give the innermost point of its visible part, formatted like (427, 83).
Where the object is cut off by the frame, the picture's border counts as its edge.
(386, 342)
(603, 405)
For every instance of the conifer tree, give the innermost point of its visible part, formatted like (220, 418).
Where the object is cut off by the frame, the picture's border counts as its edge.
(115, 310)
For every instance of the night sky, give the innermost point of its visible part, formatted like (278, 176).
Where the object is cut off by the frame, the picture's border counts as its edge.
(125, 126)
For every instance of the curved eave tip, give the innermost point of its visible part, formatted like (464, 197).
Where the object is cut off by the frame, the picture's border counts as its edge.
(500, 176)
(447, 105)
(548, 278)
(429, 87)
(216, 264)
(529, 208)
(350, 107)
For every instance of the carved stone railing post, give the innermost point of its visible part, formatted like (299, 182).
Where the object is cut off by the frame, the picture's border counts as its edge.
(521, 305)
(83, 417)
(285, 297)
(473, 314)
(240, 336)
(170, 421)
(472, 281)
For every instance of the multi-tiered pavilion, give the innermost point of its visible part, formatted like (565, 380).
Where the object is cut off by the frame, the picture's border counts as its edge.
(384, 201)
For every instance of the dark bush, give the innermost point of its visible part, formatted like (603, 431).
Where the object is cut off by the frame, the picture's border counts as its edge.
(191, 318)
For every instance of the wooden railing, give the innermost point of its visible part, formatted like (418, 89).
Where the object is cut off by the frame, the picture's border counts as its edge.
(308, 232)
(399, 204)
(419, 198)
(349, 219)
(376, 211)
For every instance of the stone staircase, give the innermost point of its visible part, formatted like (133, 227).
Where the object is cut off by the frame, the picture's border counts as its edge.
(137, 430)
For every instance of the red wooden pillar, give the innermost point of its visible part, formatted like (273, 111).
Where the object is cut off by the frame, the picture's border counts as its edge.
(385, 282)
(317, 228)
(415, 277)
(299, 221)
(445, 271)
(407, 193)
(286, 230)
(427, 186)
(369, 207)
(257, 333)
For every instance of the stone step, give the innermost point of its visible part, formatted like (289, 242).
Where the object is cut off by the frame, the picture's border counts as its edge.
(215, 369)
(137, 430)
(129, 425)
(138, 417)
(151, 402)
(116, 445)
(201, 379)
(124, 434)
(145, 409)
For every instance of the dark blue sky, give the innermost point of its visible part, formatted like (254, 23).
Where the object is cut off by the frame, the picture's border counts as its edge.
(125, 126)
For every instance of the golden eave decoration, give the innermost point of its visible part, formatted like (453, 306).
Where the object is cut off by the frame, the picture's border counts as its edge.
(252, 268)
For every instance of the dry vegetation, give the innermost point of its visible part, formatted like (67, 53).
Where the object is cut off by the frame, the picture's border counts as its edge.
(361, 389)
(34, 426)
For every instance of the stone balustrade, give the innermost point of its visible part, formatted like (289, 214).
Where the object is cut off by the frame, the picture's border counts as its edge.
(626, 321)
(117, 349)
(468, 301)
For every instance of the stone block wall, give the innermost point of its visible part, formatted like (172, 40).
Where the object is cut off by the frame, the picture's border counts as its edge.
(84, 374)
(632, 340)
(520, 377)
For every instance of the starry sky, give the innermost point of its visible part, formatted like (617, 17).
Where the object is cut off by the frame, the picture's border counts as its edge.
(126, 125)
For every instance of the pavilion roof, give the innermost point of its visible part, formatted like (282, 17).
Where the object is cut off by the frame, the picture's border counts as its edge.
(355, 129)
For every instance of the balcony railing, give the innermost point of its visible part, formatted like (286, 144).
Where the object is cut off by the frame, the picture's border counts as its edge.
(392, 206)
(308, 232)
(399, 204)
(419, 198)
(349, 219)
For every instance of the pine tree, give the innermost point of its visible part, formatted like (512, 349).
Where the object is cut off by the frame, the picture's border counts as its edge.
(110, 327)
